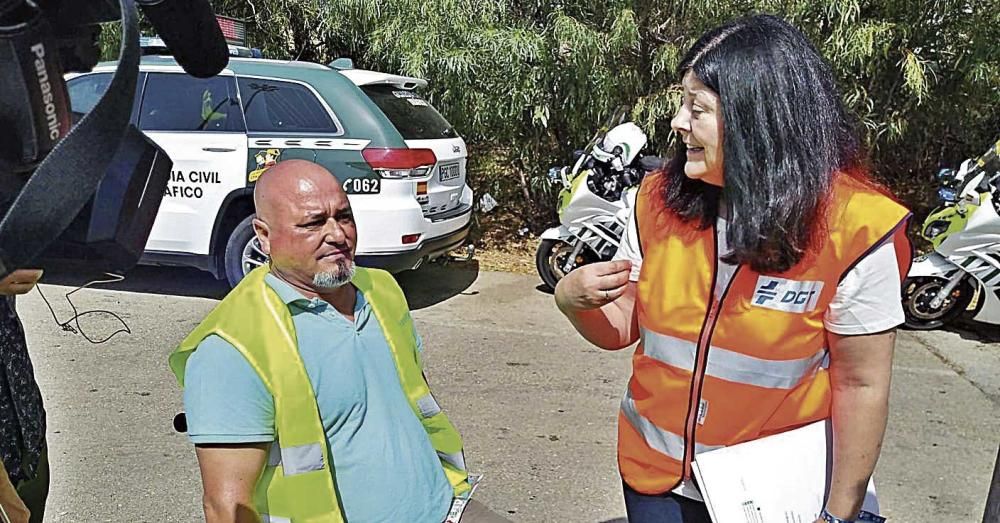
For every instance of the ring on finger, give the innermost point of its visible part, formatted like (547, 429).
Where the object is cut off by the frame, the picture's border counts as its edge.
(607, 295)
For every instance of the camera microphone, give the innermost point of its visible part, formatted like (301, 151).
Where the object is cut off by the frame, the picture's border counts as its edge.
(192, 33)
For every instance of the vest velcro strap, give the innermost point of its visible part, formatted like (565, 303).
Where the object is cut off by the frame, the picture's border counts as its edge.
(731, 365)
(658, 439)
(266, 518)
(301, 459)
(428, 406)
(456, 459)
(274, 455)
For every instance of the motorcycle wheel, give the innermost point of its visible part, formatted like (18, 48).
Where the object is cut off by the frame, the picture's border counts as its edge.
(918, 294)
(551, 257)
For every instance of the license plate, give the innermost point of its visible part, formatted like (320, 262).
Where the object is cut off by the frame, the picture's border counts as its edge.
(362, 185)
(448, 172)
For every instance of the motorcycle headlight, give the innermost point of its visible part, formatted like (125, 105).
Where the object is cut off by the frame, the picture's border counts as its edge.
(553, 174)
(935, 229)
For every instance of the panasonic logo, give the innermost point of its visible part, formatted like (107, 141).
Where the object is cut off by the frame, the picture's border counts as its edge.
(48, 99)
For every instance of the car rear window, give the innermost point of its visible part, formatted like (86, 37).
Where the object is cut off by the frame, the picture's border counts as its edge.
(272, 106)
(414, 117)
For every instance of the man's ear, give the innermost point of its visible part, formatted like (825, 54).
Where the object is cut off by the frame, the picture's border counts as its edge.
(262, 231)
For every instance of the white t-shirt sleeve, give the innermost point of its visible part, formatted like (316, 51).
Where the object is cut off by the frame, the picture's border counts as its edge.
(629, 248)
(868, 299)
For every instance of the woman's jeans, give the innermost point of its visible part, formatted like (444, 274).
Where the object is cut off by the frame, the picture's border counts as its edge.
(663, 508)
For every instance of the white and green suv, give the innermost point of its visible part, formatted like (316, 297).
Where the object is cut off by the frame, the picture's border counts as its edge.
(401, 163)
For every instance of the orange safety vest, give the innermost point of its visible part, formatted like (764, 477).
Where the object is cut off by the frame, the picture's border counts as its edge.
(710, 372)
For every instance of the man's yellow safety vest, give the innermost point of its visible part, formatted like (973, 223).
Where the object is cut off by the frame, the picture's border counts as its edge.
(296, 485)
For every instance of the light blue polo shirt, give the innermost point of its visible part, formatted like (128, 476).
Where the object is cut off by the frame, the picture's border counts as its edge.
(384, 465)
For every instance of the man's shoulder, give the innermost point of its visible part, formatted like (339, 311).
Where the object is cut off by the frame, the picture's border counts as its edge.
(218, 354)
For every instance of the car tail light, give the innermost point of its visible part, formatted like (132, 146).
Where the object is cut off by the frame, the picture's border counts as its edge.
(410, 238)
(400, 163)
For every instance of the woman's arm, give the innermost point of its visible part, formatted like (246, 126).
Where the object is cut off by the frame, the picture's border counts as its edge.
(599, 301)
(860, 374)
(11, 504)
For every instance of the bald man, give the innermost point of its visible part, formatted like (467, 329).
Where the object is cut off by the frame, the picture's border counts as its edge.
(303, 389)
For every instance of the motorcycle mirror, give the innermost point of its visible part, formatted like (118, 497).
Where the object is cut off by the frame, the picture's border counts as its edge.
(577, 154)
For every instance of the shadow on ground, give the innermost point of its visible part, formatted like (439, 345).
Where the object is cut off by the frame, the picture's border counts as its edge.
(975, 331)
(172, 281)
(431, 284)
(436, 282)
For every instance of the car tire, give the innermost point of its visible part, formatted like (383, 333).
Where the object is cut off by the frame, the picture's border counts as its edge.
(243, 252)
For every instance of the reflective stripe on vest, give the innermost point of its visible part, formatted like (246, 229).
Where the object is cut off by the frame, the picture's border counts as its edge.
(661, 440)
(731, 365)
(712, 372)
(297, 460)
(296, 485)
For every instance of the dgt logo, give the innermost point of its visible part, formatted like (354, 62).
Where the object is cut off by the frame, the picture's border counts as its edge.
(787, 295)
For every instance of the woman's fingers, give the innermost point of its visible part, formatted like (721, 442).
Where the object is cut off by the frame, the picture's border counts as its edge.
(614, 280)
(614, 267)
(26, 276)
(20, 281)
(593, 285)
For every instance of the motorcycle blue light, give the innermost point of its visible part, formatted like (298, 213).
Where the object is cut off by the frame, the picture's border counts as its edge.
(948, 195)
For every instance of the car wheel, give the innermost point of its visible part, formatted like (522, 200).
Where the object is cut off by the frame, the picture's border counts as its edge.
(243, 252)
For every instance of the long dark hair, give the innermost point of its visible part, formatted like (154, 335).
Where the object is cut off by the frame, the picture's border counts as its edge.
(786, 134)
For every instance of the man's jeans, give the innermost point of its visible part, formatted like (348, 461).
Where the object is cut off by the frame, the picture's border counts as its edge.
(663, 508)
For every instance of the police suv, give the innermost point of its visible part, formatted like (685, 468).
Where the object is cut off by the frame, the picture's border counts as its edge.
(402, 164)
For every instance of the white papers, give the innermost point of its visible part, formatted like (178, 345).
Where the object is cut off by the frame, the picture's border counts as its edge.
(458, 504)
(777, 479)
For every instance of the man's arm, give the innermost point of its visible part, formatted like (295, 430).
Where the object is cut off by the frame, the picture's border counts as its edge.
(230, 416)
(229, 474)
(860, 373)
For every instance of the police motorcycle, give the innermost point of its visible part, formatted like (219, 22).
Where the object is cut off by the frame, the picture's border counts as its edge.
(965, 262)
(596, 197)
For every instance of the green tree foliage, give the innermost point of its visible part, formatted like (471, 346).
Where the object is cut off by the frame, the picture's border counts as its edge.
(527, 81)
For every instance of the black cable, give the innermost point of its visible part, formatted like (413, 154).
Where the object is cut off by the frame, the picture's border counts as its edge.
(115, 278)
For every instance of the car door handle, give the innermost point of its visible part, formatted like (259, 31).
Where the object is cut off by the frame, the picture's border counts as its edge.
(218, 149)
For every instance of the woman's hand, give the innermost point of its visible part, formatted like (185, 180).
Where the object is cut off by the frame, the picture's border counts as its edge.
(593, 286)
(20, 281)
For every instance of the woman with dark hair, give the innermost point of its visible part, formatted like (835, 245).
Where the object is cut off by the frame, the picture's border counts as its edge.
(760, 273)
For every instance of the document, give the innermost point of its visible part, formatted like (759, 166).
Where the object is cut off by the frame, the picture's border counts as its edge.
(458, 504)
(778, 479)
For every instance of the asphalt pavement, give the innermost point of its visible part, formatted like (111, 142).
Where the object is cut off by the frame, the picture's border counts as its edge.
(536, 404)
